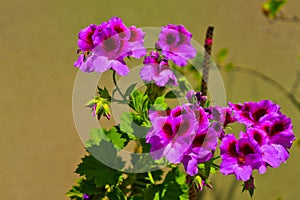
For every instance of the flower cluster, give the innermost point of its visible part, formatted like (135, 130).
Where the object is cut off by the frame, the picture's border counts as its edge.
(103, 47)
(182, 135)
(265, 142)
(174, 44)
(187, 134)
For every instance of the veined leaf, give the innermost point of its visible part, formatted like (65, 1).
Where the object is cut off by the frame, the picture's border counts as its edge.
(130, 89)
(160, 104)
(116, 194)
(92, 169)
(96, 136)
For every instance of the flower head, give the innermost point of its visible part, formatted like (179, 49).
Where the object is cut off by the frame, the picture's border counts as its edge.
(267, 138)
(195, 97)
(157, 69)
(200, 150)
(105, 46)
(85, 41)
(239, 157)
(99, 107)
(172, 133)
(136, 41)
(85, 196)
(175, 43)
(251, 113)
(279, 130)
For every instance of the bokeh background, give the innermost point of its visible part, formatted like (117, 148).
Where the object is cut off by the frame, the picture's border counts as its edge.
(39, 145)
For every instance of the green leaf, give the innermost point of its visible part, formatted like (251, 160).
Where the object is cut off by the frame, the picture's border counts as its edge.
(152, 192)
(96, 136)
(138, 101)
(173, 191)
(134, 126)
(103, 93)
(92, 169)
(171, 94)
(137, 198)
(75, 192)
(157, 175)
(160, 104)
(89, 187)
(272, 7)
(106, 152)
(174, 187)
(130, 89)
(222, 55)
(112, 135)
(116, 194)
(146, 146)
(116, 138)
(125, 124)
(91, 102)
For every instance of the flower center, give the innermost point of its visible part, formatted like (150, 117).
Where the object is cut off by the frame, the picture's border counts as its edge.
(170, 39)
(198, 141)
(109, 44)
(258, 114)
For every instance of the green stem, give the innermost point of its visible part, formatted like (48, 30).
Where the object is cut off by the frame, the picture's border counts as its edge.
(140, 183)
(116, 85)
(151, 178)
(120, 92)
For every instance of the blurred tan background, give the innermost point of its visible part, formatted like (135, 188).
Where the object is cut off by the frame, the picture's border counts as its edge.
(39, 145)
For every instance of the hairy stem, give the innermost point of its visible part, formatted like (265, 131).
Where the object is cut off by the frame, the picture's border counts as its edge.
(207, 60)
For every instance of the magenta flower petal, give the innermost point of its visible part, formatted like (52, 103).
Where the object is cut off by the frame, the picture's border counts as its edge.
(279, 130)
(119, 67)
(165, 77)
(174, 41)
(239, 157)
(191, 165)
(154, 114)
(283, 154)
(257, 135)
(113, 40)
(157, 69)
(136, 42)
(270, 155)
(251, 113)
(202, 118)
(95, 63)
(180, 55)
(79, 61)
(146, 73)
(200, 151)
(117, 25)
(85, 41)
(171, 136)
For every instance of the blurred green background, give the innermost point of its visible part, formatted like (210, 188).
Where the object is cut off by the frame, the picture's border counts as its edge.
(39, 145)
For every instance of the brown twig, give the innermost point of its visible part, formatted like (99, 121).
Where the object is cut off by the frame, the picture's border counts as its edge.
(208, 46)
(207, 61)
